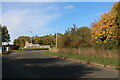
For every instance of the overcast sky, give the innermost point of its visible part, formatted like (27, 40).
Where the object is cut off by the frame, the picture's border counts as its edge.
(41, 17)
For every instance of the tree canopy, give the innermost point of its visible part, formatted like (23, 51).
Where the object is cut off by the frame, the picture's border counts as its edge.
(20, 41)
(105, 32)
(4, 33)
(75, 37)
(41, 40)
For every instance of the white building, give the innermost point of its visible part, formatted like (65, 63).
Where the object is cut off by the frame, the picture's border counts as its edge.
(30, 45)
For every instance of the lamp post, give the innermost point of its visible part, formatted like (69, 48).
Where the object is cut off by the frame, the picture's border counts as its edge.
(56, 29)
(56, 35)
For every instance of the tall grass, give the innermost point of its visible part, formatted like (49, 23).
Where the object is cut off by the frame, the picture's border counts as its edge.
(89, 52)
(105, 57)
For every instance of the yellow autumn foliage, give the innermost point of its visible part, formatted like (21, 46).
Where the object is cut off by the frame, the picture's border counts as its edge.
(107, 29)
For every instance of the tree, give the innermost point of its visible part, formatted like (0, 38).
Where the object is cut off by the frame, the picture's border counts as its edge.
(5, 34)
(66, 39)
(75, 37)
(82, 37)
(20, 41)
(38, 40)
(116, 11)
(42, 40)
(105, 32)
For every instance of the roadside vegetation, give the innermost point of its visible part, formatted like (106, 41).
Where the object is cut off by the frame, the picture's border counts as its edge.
(99, 44)
(113, 62)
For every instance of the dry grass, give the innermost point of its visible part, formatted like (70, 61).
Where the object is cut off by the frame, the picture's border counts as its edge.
(90, 52)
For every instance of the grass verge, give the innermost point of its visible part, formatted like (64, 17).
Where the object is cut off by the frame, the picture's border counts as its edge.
(103, 61)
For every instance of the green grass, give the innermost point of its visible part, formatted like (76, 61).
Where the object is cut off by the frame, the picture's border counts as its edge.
(106, 61)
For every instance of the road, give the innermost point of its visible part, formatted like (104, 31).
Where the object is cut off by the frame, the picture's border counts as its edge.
(34, 64)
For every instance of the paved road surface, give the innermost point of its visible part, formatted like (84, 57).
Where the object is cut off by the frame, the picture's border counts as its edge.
(34, 64)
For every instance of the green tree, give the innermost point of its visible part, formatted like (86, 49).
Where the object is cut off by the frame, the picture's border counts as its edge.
(75, 37)
(5, 34)
(67, 38)
(82, 37)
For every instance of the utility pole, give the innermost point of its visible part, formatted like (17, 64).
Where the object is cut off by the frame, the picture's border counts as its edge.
(31, 36)
(56, 34)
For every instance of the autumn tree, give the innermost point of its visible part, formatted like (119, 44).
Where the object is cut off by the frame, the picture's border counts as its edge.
(37, 40)
(20, 41)
(45, 40)
(51, 39)
(105, 32)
